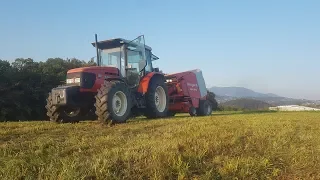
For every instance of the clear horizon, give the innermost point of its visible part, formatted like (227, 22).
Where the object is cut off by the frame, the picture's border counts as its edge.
(268, 47)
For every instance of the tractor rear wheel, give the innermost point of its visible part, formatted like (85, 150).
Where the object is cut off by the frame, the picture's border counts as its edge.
(157, 99)
(205, 108)
(113, 103)
(61, 114)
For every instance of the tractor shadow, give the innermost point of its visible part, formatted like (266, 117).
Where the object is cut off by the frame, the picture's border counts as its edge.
(186, 115)
(229, 113)
(221, 113)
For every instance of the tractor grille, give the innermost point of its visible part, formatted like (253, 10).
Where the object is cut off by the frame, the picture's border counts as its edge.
(87, 79)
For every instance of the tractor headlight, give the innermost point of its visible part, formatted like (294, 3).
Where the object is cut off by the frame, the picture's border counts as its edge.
(77, 80)
(73, 80)
(70, 81)
(169, 80)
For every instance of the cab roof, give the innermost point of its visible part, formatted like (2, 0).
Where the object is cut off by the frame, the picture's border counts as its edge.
(113, 43)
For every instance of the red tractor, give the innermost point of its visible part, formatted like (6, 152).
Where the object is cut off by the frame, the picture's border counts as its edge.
(124, 84)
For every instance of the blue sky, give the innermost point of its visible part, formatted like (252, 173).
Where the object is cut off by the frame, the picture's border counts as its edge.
(268, 46)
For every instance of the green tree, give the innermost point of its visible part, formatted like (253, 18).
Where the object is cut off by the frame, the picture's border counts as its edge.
(24, 85)
(211, 98)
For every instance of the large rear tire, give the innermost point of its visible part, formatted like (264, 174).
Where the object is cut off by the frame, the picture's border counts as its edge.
(157, 100)
(113, 103)
(60, 114)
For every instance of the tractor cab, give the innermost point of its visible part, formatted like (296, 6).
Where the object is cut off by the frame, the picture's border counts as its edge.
(133, 58)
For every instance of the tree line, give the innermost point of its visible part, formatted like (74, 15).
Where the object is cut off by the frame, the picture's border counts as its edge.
(25, 84)
(243, 104)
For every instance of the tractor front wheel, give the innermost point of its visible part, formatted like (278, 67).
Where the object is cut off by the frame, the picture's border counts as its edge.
(113, 103)
(157, 99)
(60, 114)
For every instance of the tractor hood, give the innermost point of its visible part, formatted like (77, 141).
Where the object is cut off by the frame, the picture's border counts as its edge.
(96, 69)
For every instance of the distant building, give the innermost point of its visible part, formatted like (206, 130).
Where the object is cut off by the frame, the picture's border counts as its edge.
(293, 108)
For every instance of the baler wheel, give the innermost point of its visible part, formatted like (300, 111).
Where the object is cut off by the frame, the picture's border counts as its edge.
(157, 99)
(192, 111)
(113, 102)
(205, 108)
(171, 113)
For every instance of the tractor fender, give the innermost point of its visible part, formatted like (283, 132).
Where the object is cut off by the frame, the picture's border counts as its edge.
(115, 79)
(145, 81)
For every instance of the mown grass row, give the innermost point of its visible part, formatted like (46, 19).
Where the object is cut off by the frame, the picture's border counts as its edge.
(284, 145)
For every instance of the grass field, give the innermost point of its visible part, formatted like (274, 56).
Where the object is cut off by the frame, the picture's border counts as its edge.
(276, 145)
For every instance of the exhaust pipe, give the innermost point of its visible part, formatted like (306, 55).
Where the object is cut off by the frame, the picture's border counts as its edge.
(98, 58)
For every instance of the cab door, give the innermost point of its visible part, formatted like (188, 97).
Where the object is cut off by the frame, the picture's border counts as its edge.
(136, 60)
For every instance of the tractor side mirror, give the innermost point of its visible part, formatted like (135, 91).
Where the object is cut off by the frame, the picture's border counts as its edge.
(156, 69)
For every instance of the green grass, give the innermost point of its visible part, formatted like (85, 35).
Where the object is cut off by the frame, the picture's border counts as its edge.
(278, 145)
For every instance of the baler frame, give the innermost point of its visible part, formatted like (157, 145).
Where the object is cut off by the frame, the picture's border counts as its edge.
(181, 97)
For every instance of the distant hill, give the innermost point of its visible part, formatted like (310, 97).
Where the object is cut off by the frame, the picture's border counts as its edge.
(224, 94)
(239, 92)
(247, 104)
